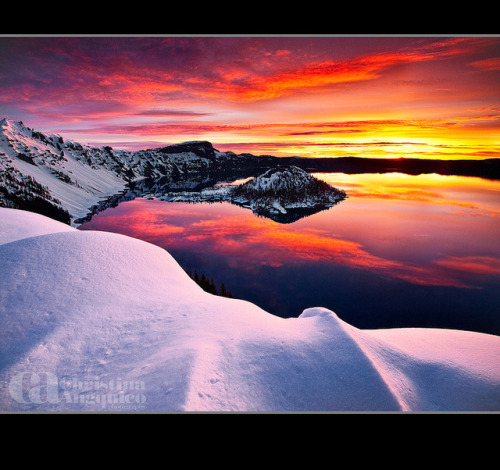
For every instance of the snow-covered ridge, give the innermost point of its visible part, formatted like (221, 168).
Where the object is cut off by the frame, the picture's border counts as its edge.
(37, 168)
(68, 174)
(98, 321)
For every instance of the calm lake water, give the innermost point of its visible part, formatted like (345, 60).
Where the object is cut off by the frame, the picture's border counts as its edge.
(401, 251)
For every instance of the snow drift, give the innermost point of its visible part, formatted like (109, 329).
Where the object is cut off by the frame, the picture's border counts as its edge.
(97, 321)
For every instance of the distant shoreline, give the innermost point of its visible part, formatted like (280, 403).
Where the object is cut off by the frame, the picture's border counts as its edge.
(488, 168)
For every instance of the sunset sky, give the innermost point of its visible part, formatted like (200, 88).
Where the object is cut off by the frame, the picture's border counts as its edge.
(312, 96)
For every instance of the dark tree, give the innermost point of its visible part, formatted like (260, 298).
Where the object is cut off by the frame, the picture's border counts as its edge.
(223, 290)
(212, 288)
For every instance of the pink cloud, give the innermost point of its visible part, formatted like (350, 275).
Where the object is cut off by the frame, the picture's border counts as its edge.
(491, 64)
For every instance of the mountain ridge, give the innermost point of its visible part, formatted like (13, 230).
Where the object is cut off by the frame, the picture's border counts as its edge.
(39, 169)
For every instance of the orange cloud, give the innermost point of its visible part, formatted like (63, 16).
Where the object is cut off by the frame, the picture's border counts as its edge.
(487, 64)
(471, 264)
(237, 85)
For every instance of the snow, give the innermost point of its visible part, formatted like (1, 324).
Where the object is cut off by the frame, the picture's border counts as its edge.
(95, 321)
(22, 224)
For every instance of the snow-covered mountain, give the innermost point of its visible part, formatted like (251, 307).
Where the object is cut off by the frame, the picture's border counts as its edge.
(65, 179)
(95, 321)
(37, 167)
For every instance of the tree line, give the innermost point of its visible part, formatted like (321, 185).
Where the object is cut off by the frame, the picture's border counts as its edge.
(209, 285)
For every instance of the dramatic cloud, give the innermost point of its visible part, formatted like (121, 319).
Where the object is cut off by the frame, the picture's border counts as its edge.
(491, 64)
(233, 90)
(472, 264)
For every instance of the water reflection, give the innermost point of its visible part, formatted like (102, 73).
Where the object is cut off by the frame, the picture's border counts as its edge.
(401, 251)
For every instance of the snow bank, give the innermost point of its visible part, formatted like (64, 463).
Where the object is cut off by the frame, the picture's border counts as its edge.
(98, 321)
(17, 224)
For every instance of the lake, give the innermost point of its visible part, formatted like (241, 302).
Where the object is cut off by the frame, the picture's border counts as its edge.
(401, 251)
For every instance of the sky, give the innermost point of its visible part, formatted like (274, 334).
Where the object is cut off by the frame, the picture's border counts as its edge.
(311, 96)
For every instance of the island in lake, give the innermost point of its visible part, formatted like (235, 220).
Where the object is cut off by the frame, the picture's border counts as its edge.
(283, 194)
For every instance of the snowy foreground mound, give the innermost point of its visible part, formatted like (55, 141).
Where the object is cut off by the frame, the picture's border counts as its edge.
(98, 321)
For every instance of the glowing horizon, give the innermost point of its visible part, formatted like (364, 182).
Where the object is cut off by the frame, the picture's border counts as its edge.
(389, 97)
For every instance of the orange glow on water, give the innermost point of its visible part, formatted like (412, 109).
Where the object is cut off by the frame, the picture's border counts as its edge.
(389, 224)
(426, 255)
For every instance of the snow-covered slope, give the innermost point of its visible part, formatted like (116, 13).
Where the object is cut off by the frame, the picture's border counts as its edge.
(99, 321)
(75, 176)
(39, 169)
(69, 173)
